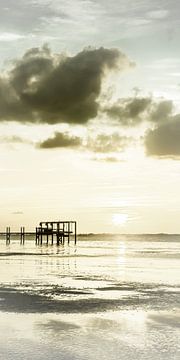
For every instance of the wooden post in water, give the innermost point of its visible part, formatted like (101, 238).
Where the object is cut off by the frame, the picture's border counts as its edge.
(41, 235)
(8, 235)
(63, 237)
(47, 233)
(75, 232)
(57, 233)
(37, 237)
(69, 229)
(22, 235)
(52, 240)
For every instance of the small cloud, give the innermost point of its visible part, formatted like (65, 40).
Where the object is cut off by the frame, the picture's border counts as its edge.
(108, 143)
(130, 111)
(17, 213)
(111, 159)
(61, 140)
(133, 111)
(108, 159)
(12, 139)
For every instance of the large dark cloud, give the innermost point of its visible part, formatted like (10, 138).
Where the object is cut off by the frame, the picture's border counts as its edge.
(60, 140)
(51, 88)
(164, 141)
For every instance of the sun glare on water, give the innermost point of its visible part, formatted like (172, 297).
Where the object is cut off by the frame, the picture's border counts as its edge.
(119, 219)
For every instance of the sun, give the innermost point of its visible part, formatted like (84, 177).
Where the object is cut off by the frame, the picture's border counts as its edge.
(119, 219)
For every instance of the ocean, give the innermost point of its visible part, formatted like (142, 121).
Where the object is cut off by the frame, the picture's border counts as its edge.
(111, 297)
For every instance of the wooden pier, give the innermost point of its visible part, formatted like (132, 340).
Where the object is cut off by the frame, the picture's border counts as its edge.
(54, 232)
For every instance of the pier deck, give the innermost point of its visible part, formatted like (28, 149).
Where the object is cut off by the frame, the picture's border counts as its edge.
(51, 231)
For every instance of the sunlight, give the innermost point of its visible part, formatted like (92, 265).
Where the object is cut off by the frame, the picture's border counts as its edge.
(119, 219)
(121, 259)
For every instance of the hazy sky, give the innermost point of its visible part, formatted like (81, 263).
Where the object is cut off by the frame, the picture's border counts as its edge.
(90, 114)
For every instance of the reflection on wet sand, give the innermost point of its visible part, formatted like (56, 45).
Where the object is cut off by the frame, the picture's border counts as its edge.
(115, 299)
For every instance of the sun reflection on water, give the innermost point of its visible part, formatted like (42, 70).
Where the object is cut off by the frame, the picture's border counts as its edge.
(121, 258)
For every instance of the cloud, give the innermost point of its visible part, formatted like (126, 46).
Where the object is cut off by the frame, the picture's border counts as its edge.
(12, 139)
(17, 213)
(111, 159)
(60, 140)
(128, 111)
(10, 37)
(104, 143)
(158, 14)
(161, 111)
(164, 140)
(51, 88)
(100, 144)
(26, 17)
(133, 111)
(107, 159)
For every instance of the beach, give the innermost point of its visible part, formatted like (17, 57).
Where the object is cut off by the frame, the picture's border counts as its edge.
(108, 297)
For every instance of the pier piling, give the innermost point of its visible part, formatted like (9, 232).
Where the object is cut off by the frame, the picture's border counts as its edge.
(8, 235)
(22, 235)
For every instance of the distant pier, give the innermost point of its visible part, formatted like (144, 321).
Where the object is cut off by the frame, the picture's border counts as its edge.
(53, 232)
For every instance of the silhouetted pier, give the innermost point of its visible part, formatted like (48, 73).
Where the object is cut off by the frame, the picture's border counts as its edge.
(54, 232)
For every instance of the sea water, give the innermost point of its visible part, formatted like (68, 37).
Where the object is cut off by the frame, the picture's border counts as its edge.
(108, 297)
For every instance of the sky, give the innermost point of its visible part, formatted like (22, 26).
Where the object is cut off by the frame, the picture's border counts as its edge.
(90, 114)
